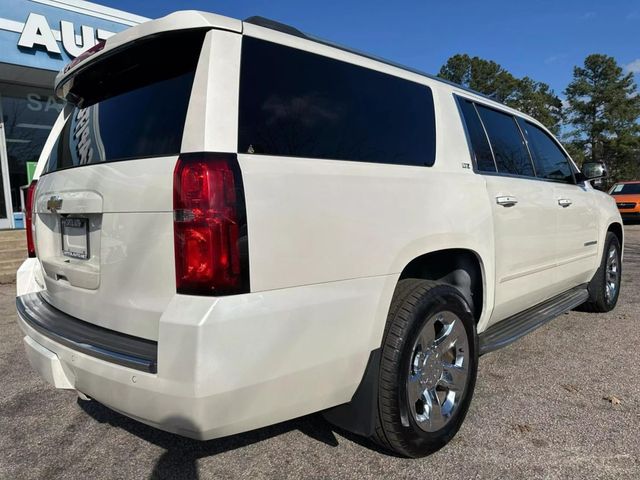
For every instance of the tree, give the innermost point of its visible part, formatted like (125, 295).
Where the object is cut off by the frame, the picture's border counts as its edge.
(604, 108)
(486, 76)
(538, 100)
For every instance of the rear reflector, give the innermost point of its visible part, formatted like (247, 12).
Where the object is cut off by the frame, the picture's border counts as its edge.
(209, 225)
(28, 216)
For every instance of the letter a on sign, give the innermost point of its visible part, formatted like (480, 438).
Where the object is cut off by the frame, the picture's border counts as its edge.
(37, 31)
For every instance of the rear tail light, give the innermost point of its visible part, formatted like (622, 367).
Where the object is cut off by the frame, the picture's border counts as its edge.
(28, 214)
(209, 225)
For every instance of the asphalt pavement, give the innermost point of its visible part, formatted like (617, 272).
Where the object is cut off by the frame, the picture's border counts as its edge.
(563, 402)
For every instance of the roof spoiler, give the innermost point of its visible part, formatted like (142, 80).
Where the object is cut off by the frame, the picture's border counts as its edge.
(184, 20)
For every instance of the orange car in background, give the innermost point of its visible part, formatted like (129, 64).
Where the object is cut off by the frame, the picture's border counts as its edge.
(627, 195)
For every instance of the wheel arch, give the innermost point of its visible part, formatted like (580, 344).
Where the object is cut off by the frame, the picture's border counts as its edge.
(461, 267)
(617, 229)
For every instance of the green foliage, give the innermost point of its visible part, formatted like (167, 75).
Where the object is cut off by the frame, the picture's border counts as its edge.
(538, 100)
(486, 76)
(600, 120)
(603, 109)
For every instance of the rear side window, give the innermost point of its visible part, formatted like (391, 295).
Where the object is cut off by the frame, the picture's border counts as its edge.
(550, 161)
(509, 149)
(295, 103)
(132, 104)
(477, 137)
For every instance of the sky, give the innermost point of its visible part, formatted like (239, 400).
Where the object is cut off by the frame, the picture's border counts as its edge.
(542, 39)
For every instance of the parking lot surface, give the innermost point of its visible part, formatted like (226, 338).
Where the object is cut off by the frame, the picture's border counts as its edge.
(564, 402)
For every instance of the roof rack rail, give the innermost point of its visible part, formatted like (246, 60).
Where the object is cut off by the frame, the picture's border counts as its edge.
(284, 28)
(273, 25)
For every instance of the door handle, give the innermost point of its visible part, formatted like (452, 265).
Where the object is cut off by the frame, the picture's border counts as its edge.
(506, 201)
(564, 202)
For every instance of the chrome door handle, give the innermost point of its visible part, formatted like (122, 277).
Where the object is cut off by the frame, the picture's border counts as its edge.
(506, 201)
(564, 202)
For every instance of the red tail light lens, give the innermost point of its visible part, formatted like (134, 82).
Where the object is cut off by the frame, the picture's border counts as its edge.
(84, 55)
(209, 225)
(28, 218)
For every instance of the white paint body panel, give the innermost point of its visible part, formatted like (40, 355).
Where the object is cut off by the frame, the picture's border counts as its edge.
(129, 279)
(327, 243)
(524, 236)
(47, 364)
(29, 277)
(577, 238)
(235, 363)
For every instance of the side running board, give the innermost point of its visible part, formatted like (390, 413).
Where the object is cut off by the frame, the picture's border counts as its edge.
(511, 329)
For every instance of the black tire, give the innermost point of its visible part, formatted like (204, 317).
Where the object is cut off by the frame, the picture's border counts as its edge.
(598, 301)
(414, 302)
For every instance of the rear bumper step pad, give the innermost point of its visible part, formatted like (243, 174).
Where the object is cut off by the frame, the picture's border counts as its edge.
(120, 348)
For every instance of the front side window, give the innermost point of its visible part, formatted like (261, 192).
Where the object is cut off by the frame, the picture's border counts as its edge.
(479, 143)
(300, 104)
(550, 161)
(509, 149)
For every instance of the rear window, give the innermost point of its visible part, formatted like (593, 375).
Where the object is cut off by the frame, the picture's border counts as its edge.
(132, 104)
(299, 104)
(626, 189)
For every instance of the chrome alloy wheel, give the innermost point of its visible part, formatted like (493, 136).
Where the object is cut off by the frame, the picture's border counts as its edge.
(612, 275)
(438, 371)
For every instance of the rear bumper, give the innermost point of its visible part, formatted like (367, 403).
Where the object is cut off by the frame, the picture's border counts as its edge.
(231, 364)
(115, 347)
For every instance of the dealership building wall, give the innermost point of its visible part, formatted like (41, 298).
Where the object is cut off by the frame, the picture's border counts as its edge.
(37, 39)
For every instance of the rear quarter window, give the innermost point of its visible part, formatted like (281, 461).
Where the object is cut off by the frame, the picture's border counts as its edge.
(295, 103)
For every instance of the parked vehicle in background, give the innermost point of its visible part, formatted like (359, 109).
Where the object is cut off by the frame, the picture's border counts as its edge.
(271, 225)
(627, 196)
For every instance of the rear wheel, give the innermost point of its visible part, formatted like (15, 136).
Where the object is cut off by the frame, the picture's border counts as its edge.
(604, 288)
(428, 368)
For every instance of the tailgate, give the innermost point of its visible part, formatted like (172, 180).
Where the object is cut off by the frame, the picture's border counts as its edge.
(104, 203)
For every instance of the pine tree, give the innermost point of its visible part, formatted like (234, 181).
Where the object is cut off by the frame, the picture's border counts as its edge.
(604, 108)
(488, 77)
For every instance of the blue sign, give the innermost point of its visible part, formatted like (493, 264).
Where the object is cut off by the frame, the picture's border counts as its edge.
(47, 34)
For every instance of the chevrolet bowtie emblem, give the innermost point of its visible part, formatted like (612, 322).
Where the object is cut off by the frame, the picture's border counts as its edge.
(54, 203)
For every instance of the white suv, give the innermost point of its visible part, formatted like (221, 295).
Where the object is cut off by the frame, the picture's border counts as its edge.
(237, 224)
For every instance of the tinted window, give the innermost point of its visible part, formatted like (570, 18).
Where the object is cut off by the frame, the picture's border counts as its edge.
(295, 103)
(626, 189)
(131, 105)
(550, 161)
(508, 145)
(479, 143)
